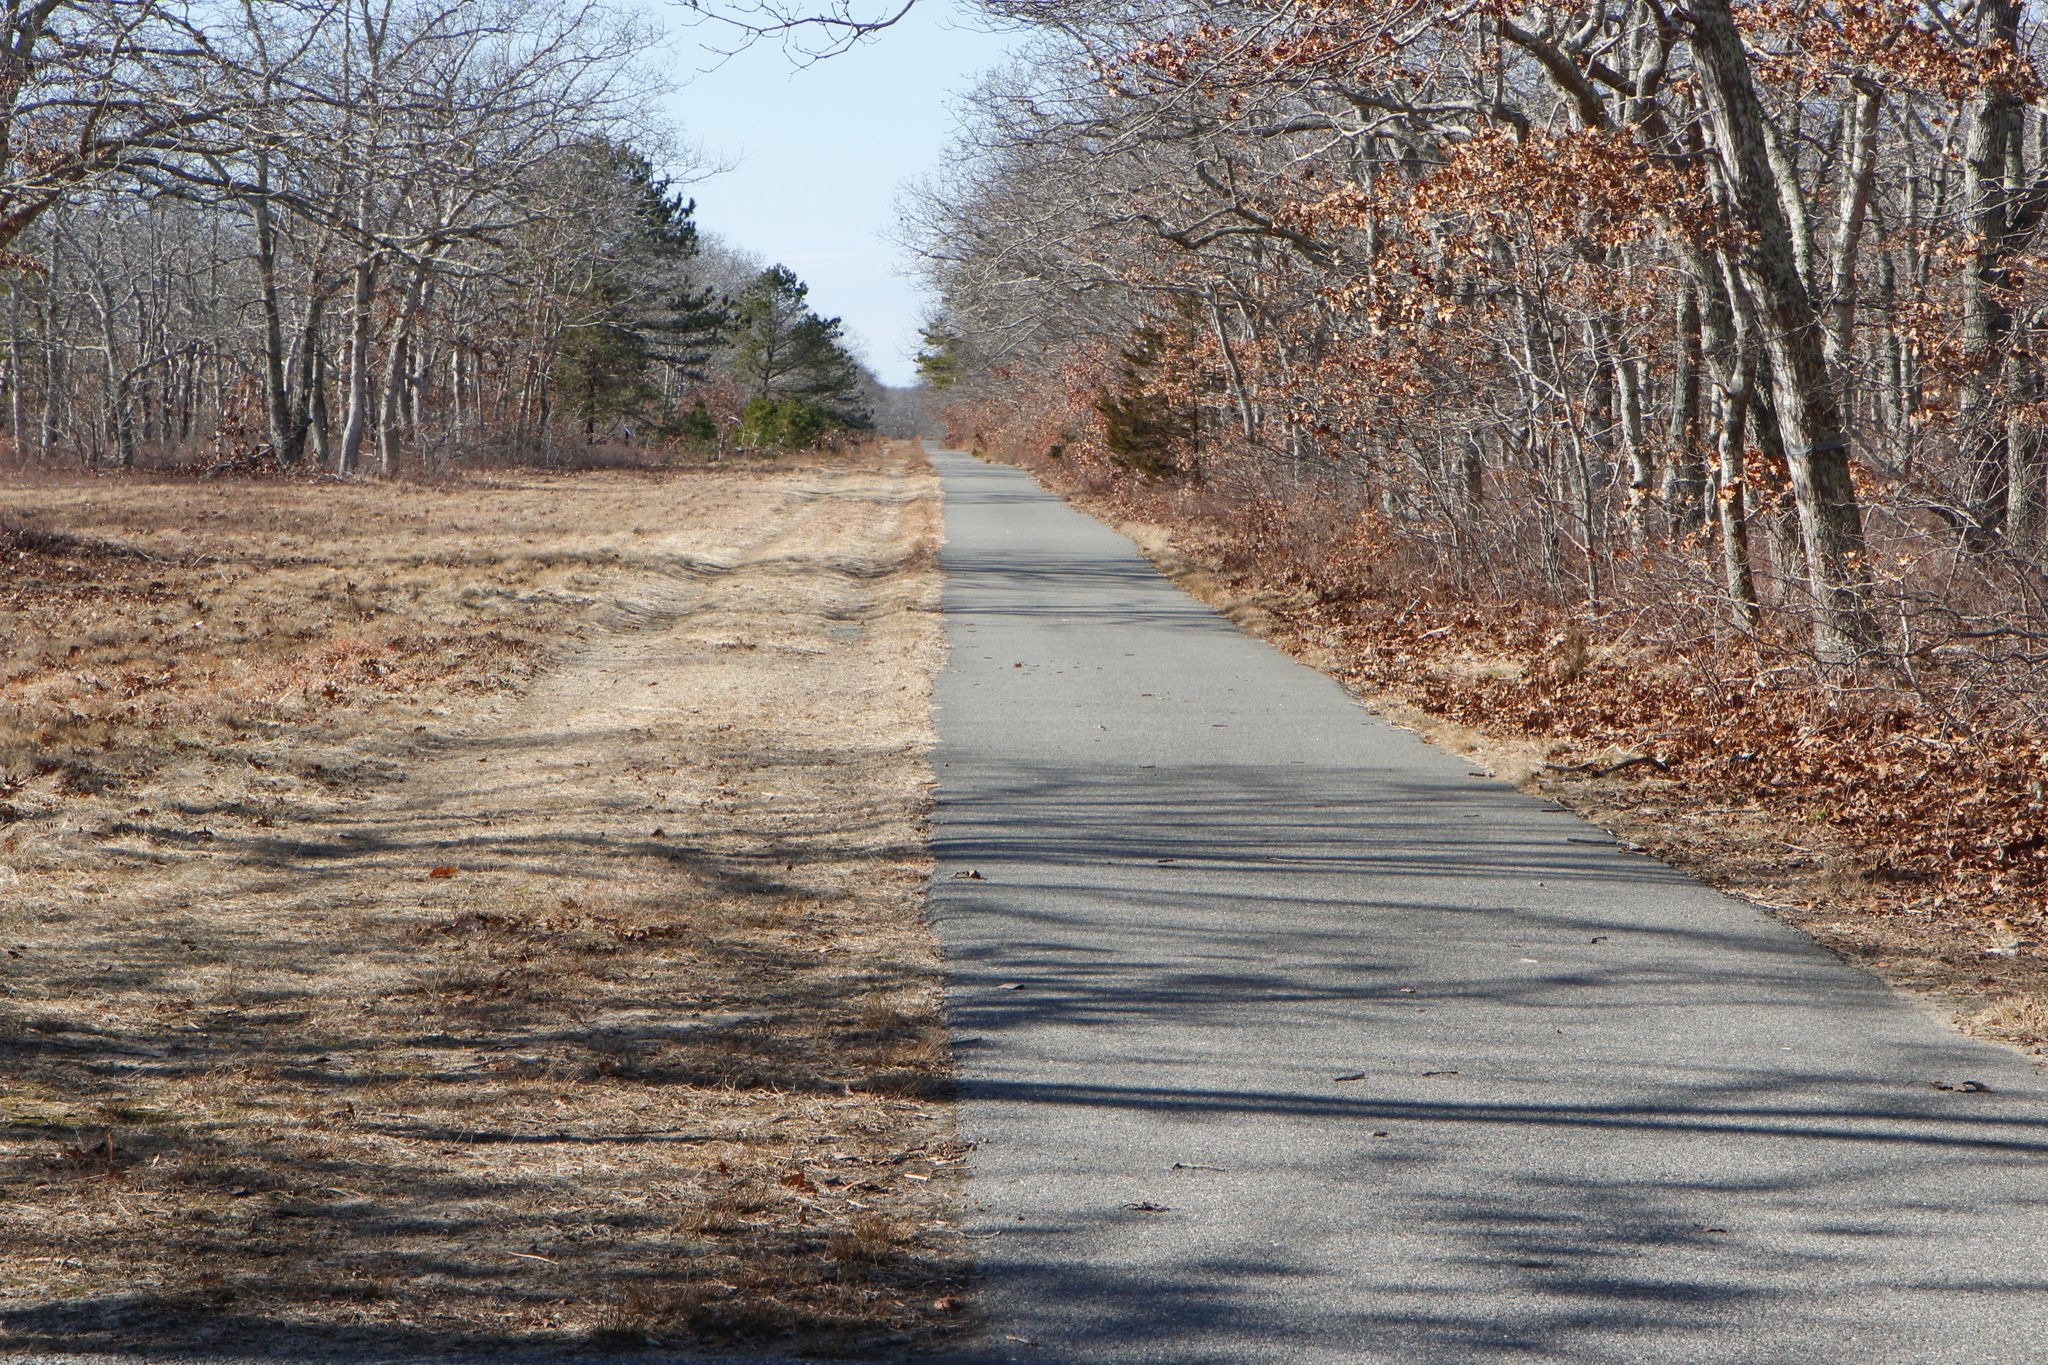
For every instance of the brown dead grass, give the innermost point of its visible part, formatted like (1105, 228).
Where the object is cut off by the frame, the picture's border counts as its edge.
(485, 916)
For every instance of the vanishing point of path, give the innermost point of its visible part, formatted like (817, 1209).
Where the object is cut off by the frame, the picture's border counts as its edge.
(1284, 1038)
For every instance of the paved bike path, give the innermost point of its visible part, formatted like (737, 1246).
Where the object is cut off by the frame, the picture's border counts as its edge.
(1285, 1038)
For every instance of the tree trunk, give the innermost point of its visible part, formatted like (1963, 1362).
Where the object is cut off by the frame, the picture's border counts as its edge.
(1855, 207)
(1989, 147)
(120, 421)
(2023, 458)
(1727, 344)
(1635, 444)
(1808, 412)
(1736, 579)
(1685, 477)
(285, 442)
(317, 420)
(361, 335)
(397, 367)
(391, 404)
(14, 354)
(1246, 421)
(306, 353)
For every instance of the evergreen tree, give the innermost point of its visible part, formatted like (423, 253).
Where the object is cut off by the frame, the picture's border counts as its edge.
(600, 370)
(648, 317)
(938, 359)
(680, 321)
(698, 424)
(782, 350)
(1144, 429)
(786, 422)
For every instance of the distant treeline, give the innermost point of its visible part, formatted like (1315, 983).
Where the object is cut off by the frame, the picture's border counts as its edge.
(391, 236)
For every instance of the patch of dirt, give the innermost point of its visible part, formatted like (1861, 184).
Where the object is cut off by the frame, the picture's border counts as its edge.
(485, 917)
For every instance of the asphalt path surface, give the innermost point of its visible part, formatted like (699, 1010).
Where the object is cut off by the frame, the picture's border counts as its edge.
(1283, 1037)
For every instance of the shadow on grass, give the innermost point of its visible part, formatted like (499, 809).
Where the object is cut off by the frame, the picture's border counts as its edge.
(601, 1089)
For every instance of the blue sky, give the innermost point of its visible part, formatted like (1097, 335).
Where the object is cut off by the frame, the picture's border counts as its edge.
(819, 152)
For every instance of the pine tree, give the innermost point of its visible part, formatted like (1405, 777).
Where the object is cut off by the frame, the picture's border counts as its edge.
(938, 358)
(782, 350)
(698, 424)
(647, 311)
(1144, 430)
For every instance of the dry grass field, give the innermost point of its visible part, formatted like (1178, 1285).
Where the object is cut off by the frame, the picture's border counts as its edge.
(478, 917)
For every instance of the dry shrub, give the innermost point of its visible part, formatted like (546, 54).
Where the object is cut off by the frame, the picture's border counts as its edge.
(867, 1239)
(1568, 656)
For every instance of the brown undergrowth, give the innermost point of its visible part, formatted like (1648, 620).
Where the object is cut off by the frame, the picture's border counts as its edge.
(1900, 842)
(484, 917)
